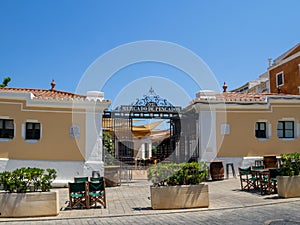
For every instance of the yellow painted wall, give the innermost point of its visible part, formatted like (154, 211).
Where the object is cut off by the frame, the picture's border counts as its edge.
(55, 142)
(241, 141)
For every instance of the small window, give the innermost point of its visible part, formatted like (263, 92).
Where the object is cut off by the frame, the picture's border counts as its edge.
(285, 129)
(261, 130)
(279, 79)
(6, 128)
(33, 131)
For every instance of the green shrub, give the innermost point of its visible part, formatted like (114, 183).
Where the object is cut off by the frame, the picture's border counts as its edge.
(27, 179)
(290, 164)
(172, 174)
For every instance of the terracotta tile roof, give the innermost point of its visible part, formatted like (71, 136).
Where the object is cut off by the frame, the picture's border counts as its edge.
(42, 93)
(243, 97)
(235, 96)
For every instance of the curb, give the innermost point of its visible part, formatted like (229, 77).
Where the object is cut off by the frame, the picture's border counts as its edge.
(160, 212)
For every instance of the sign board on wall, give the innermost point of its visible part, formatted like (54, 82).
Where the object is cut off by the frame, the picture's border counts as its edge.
(74, 131)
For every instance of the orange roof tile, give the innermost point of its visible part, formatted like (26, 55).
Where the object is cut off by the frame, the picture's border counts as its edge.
(242, 97)
(42, 93)
(234, 96)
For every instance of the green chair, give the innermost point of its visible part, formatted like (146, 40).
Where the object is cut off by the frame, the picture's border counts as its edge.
(80, 179)
(268, 182)
(246, 178)
(78, 195)
(96, 193)
(255, 175)
(97, 179)
(257, 167)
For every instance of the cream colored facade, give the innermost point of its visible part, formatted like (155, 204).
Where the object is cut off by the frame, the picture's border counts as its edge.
(69, 141)
(228, 123)
(71, 128)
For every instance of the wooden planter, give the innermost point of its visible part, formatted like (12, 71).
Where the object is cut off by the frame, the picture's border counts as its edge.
(29, 204)
(179, 197)
(288, 186)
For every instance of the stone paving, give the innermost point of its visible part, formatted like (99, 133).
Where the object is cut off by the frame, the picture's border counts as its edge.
(130, 203)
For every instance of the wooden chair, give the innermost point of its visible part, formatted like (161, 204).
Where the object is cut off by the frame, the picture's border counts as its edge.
(259, 162)
(255, 174)
(78, 195)
(97, 179)
(268, 181)
(96, 193)
(246, 178)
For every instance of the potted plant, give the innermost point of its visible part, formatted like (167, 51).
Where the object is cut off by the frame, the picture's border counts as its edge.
(289, 181)
(178, 186)
(27, 193)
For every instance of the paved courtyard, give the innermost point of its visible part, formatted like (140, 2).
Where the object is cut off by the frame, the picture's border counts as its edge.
(130, 203)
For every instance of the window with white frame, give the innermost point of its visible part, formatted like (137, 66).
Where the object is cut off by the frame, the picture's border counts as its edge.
(285, 129)
(32, 131)
(279, 79)
(261, 130)
(7, 128)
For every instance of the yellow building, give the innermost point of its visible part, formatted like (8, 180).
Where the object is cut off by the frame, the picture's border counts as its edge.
(51, 129)
(61, 130)
(240, 127)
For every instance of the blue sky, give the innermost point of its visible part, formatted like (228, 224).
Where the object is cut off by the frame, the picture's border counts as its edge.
(60, 39)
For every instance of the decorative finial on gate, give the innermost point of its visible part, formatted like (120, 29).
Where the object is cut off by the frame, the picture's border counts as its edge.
(151, 91)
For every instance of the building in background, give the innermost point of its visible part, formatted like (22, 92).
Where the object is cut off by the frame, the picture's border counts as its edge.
(284, 73)
(257, 86)
(282, 76)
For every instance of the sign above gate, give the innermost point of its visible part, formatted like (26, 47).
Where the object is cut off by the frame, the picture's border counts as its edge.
(150, 108)
(151, 105)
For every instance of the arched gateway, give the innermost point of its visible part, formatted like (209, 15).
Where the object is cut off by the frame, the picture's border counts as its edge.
(135, 143)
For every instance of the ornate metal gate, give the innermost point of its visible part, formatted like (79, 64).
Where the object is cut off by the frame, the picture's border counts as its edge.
(120, 123)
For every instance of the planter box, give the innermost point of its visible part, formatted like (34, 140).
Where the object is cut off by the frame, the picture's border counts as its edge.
(179, 197)
(29, 204)
(288, 186)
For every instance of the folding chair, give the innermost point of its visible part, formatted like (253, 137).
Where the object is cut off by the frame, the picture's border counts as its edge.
(97, 179)
(80, 179)
(268, 181)
(255, 174)
(246, 178)
(96, 193)
(78, 195)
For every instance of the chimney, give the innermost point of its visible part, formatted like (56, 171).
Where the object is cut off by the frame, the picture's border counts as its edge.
(270, 62)
(52, 85)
